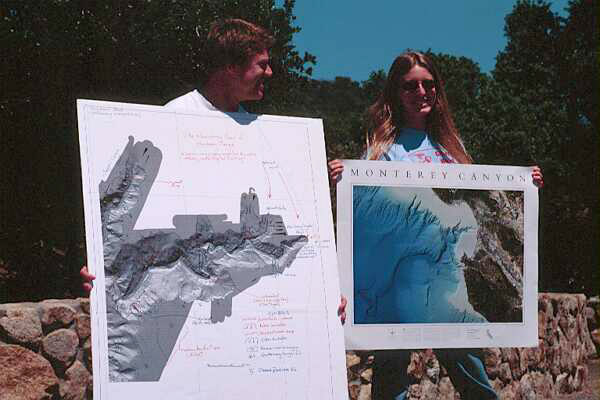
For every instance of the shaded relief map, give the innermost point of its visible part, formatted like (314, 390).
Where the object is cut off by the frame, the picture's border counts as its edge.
(442, 255)
(154, 275)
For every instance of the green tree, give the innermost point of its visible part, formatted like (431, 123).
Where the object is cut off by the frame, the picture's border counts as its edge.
(539, 105)
(57, 51)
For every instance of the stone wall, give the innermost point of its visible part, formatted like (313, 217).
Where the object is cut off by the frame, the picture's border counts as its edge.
(556, 366)
(45, 353)
(45, 350)
(592, 314)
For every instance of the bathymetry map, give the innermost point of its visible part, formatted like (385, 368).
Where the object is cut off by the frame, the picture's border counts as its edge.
(212, 242)
(438, 255)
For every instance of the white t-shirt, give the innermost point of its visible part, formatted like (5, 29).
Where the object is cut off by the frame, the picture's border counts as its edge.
(413, 145)
(194, 101)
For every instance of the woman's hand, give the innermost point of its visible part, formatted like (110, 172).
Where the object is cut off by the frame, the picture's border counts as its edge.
(336, 167)
(342, 309)
(538, 178)
(87, 279)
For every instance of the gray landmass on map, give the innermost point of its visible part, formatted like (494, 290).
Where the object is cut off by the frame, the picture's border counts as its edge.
(153, 276)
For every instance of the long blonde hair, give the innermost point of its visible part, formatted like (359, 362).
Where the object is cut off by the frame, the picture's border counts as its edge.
(386, 114)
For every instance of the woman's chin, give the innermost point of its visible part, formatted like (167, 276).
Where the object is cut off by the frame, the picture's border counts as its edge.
(425, 110)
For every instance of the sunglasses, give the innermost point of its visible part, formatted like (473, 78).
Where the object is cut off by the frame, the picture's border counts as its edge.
(412, 86)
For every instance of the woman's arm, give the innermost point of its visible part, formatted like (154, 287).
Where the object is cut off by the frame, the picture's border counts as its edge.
(538, 177)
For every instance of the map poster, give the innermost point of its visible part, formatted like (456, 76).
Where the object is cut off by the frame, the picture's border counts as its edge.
(438, 255)
(211, 238)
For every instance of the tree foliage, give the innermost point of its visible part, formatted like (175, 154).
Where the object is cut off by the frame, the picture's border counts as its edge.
(57, 51)
(538, 106)
(550, 68)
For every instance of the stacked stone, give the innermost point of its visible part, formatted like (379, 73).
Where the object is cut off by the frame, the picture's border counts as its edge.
(592, 314)
(45, 353)
(556, 366)
(45, 350)
(431, 379)
(360, 372)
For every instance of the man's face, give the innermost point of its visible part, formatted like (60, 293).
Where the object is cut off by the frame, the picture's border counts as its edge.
(249, 78)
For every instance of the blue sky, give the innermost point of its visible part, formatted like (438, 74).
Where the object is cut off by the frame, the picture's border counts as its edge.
(354, 37)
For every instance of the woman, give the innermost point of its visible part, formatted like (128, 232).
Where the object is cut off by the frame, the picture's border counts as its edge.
(411, 121)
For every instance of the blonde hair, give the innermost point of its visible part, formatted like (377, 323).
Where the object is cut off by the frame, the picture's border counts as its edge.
(386, 114)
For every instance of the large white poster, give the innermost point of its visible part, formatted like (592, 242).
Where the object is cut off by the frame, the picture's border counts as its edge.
(212, 241)
(438, 255)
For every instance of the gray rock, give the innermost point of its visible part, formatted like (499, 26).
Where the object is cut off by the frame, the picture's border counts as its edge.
(595, 338)
(510, 391)
(567, 308)
(565, 348)
(22, 326)
(553, 356)
(581, 374)
(504, 373)
(511, 355)
(351, 375)
(414, 392)
(542, 384)
(354, 390)
(25, 375)
(61, 347)
(496, 384)
(429, 390)
(446, 390)
(82, 326)
(433, 369)
(540, 355)
(562, 384)
(492, 359)
(84, 303)
(56, 315)
(365, 392)
(590, 317)
(367, 375)
(87, 353)
(416, 367)
(542, 322)
(352, 359)
(77, 382)
(527, 358)
(527, 391)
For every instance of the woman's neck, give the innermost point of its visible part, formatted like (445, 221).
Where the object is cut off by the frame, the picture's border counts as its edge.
(419, 124)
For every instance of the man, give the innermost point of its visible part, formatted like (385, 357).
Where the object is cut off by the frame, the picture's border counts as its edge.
(237, 55)
(238, 64)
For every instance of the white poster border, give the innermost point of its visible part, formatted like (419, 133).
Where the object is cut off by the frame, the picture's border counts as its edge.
(91, 175)
(438, 335)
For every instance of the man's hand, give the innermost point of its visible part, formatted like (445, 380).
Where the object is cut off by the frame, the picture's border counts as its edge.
(336, 167)
(538, 178)
(342, 309)
(87, 279)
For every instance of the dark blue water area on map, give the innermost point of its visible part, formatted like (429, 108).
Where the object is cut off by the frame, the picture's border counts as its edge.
(405, 267)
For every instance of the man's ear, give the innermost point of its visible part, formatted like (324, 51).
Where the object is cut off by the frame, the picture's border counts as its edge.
(232, 70)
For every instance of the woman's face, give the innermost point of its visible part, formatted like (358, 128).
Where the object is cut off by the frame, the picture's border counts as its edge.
(416, 93)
